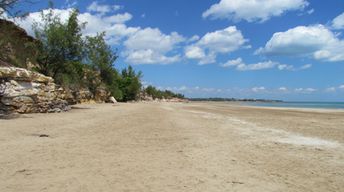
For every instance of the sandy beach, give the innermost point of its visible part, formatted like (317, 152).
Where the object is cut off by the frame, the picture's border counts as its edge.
(159, 147)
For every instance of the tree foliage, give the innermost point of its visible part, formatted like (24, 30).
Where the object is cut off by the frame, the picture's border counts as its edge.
(130, 84)
(61, 48)
(158, 94)
(77, 61)
(101, 58)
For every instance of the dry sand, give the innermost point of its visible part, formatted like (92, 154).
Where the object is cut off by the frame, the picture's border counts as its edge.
(158, 147)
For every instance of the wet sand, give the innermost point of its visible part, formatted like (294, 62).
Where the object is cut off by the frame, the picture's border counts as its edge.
(173, 147)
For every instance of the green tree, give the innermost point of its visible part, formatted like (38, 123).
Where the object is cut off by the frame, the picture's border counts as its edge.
(61, 48)
(130, 84)
(101, 58)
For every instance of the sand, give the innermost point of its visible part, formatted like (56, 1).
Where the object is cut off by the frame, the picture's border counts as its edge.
(163, 147)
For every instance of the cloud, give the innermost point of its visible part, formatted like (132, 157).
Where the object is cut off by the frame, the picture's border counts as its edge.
(283, 89)
(258, 89)
(338, 22)
(334, 89)
(240, 65)
(218, 42)
(102, 9)
(307, 66)
(293, 68)
(70, 3)
(149, 56)
(149, 46)
(331, 89)
(194, 52)
(285, 67)
(314, 41)
(256, 66)
(194, 38)
(305, 90)
(311, 11)
(189, 90)
(113, 25)
(252, 10)
(118, 18)
(232, 63)
(223, 41)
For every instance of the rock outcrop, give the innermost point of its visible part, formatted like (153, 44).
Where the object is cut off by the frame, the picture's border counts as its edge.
(102, 95)
(17, 47)
(84, 95)
(112, 100)
(23, 91)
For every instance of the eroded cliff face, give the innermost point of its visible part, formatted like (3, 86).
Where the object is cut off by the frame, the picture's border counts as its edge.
(24, 91)
(17, 48)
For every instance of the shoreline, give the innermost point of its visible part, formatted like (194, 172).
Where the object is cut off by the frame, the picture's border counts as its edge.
(245, 104)
(165, 146)
(299, 108)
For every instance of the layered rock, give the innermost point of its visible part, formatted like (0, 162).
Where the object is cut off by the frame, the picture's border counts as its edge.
(84, 95)
(102, 95)
(23, 91)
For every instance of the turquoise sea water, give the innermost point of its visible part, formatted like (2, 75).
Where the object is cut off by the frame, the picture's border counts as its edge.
(319, 105)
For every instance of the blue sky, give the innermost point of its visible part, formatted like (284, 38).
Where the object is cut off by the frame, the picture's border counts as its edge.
(276, 49)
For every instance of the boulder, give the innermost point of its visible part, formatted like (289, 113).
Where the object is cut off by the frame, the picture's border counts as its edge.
(112, 100)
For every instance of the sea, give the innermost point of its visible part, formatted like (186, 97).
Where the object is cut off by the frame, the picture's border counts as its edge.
(315, 105)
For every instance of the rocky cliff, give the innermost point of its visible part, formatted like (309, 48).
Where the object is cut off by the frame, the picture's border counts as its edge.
(23, 91)
(17, 48)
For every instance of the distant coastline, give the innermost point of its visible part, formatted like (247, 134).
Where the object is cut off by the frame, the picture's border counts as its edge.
(276, 103)
(309, 105)
(219, 99)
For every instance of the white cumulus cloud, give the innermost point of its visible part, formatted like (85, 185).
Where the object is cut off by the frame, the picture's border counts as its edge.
(102, 9)
(240, 65)
(314, 41)
(338, 22)
(305, 90)
(252, 10)
(150, 46)
(218, 42)
(258, 89)
(194, 52)
(284, 89)
(148, 56)
(113, 25)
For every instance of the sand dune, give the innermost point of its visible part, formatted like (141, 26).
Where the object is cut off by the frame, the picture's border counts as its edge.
(173, 147)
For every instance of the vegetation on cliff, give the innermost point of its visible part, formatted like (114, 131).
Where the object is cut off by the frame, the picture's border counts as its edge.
(60, 50)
